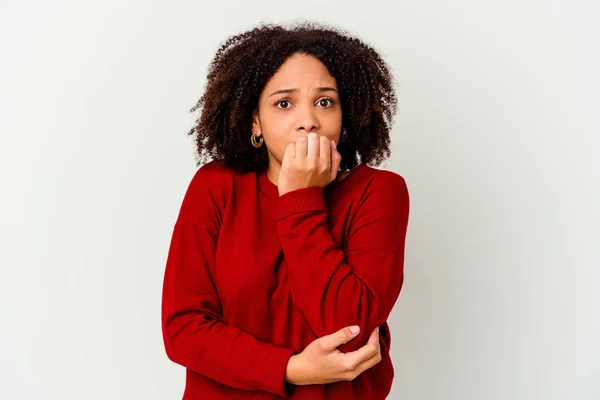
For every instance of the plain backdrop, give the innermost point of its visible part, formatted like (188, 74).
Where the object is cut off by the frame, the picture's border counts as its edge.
(497, 135)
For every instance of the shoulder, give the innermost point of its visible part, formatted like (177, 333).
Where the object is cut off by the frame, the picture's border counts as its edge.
(208, 192)
(384, 191)
(384, 182)
(211, 175)
(381, 202)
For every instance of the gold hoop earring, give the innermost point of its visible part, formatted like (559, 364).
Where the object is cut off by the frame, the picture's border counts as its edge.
(256, 142)
(344, 134)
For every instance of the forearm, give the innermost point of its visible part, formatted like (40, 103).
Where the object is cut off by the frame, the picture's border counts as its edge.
(358, 285)
(332, 295)
(226, 354)
(194, 332)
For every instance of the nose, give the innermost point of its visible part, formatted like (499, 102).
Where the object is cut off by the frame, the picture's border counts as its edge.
(307, 120)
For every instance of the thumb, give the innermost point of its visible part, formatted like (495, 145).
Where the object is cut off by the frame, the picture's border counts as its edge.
(333, 341)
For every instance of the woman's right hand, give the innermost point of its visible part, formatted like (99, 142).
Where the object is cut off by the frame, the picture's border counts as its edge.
(321, 362)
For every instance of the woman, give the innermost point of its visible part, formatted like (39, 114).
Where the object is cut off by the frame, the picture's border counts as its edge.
(287, 255)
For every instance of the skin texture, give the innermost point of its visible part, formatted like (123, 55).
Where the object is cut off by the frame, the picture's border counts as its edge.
(300, 110)
(311, 161)
(321, 362)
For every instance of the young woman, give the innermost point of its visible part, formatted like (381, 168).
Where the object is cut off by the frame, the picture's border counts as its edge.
(287, 255)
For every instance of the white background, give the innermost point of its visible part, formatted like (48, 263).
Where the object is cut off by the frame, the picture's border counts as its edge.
(497, 136)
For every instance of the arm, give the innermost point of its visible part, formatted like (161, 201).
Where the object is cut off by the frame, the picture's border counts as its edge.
(194, 332)
(335, 288)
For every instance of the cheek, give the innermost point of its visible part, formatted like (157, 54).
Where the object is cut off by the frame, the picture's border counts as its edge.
(276, 140)
(332, 125)
(333, 130)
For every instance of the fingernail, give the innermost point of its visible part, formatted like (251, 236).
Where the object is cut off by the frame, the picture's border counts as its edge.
(354, 329)
(334, 146)
(377, 329)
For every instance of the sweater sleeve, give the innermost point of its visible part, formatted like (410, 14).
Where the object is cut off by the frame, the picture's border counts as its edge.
(359, 285)
(194, 333)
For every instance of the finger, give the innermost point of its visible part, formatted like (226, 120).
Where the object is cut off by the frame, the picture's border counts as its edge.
(336, 161)
(325, 150)
(289, 154)
(333, 341)
(301, 147)
(351, 371)
(370, 363)
(313, 146)
(369, 350)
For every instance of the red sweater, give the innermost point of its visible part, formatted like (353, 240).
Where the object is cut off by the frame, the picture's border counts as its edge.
(253, 277)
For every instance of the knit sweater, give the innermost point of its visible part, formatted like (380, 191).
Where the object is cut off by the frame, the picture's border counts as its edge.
(252, 278)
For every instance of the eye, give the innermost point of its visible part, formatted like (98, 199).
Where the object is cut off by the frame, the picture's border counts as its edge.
(325, 102)
(283, 104)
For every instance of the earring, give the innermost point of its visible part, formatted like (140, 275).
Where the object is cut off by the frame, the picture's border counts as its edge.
(344, 134)
(256, 142)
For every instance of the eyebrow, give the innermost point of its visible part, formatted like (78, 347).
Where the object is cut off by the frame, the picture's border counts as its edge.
(319, 89)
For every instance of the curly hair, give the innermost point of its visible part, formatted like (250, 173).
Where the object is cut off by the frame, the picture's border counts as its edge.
(244, 64)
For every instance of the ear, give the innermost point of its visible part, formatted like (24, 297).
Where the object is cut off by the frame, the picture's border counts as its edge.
(256, 123)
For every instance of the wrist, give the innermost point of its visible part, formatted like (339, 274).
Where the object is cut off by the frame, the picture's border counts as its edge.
(291, 370)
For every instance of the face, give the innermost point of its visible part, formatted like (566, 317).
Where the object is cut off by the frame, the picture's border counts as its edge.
(300, 98)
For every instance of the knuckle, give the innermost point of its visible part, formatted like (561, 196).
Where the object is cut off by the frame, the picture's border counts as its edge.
(373, 350)
(321, 345)
(349, 367)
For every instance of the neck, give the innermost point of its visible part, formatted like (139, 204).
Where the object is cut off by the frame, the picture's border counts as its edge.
(273, 171)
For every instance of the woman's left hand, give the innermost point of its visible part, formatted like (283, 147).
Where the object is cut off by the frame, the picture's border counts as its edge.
(312, 161)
